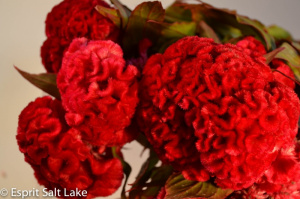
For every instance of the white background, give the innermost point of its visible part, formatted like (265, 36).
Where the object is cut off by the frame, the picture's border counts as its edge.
(21, 35)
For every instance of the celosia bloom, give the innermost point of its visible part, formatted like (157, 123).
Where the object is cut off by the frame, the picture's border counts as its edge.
(286, 70)
(98, 91)
(255, 48)
(59, 157)
(71, 19)
(252, 46)
(211, 110)
(280, 181)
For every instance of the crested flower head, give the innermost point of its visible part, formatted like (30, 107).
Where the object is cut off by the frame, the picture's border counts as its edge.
(59, 157)
(98, 91)
(212, 110)
(255, 48)
(71, 19)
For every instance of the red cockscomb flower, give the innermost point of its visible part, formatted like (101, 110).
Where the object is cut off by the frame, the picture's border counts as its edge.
(254, 47)
(286, 70)
(99, 91)
(71, 19)
(280, 181)
(59, 157)
(211, 110)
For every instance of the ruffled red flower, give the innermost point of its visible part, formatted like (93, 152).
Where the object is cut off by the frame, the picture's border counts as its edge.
(280, 181)
(211, 110)
(286, 70)
(252, 46)
(59, 157)
(255, 48)
(71, 19)
(99, 91)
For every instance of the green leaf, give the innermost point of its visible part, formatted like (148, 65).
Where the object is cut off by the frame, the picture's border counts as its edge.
(110, 13)
(44, 81)
(171, 32)
(296, 45)
(138, 27)
(279, 33)
(260, 29)
(177, 29)
(176, 13)
(177, 187)
(126, 169)
(142, 140)
(207, 31)
(271, 55)
(228, 24)
(290, 55)
(124, 12)
(150, 178)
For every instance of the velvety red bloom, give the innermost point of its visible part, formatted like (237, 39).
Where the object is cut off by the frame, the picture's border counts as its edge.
(59, 157)
(252, 46)
(52, 52)
(71, 19)
(99, 91)
(255, 48)
(280, 181)
(286, 70)
(211, 110)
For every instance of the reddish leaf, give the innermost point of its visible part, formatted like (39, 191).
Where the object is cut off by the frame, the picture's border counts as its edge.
(177, 187)
(110, 13)
(138, 26)
(271, 55)
(44, 81)
(123, 11)
(290, 55)
(228, 24)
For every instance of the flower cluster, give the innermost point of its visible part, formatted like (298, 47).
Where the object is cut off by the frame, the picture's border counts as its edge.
(98, 91)
(211, 110)
(58, 155)
(220, 113)
(255, 48)
(71, 19)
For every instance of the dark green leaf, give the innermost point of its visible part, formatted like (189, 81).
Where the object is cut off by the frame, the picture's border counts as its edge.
(228, 24)
(279, 33)
(177, 187)
(207, 31)
(123, 12)
(44, 81)
(171, 32)
(141, 139)
(126, 170)
(176, 29)
(271, 55)
(290, 55)
(110, 13)
(150, 178)
(259, 28)
(175, 13)
(138, 27)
